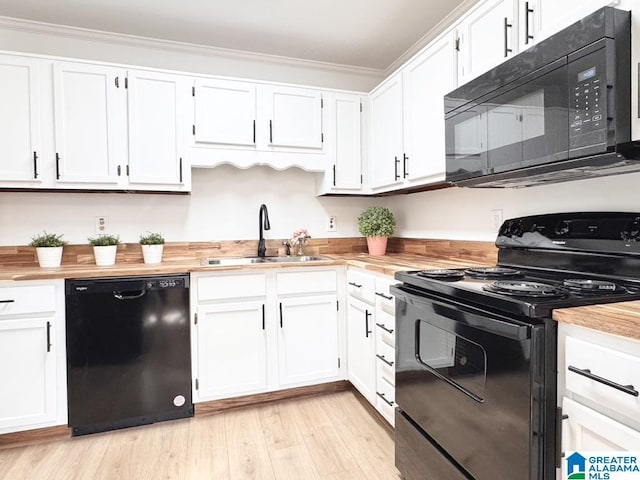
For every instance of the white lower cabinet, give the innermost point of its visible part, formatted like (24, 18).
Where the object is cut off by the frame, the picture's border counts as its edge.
(32, 356)
(360, 347)
(261, 332)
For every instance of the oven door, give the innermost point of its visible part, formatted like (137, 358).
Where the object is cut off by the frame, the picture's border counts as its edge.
(472, 381)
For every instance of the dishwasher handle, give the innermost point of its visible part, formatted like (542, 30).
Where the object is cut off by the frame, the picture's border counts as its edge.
(129, 295)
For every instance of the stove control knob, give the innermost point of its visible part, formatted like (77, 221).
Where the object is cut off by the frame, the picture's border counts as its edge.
(516, 229)
(563, 228)
(632, 232)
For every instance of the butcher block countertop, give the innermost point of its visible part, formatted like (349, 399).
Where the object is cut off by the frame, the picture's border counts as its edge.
(616, 318)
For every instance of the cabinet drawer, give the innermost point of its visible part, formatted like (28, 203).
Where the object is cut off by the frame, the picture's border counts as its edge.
(27, 299)
(384, 300)
(386, 327)
(361, 285)
(306, 282)
(231, 286)
(385, 363)
(597, 373)
(386, 400)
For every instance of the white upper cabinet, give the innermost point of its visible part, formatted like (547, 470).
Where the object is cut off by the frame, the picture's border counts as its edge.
(294, 116)
(487, 37)
(157, 127)
(386, 151)
(426, 80)
(225, 112)
(88, 122)
(19, 121)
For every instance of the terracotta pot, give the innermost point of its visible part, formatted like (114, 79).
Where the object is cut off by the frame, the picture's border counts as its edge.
(152, 253)
(377, 245)
(49, 257)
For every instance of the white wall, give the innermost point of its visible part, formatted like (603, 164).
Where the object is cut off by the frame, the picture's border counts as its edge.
(465, 213)
(224, 205)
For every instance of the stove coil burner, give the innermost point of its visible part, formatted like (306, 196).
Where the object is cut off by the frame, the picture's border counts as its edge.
(587, 286)
(493, 272)
(447, 274)
(526, 289)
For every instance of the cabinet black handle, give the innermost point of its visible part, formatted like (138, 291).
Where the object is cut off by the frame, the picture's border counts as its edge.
(367, 314)
(48, 336)
(57, 166)
(180, 169)
(384, 327)
(254, 131)
(263, 318)
(117, 83)
(507, 26)
(35, 164)
(585, 372)
(381, 395)
(7, 301)
(405, 174)
(381, 357)
(387, 297)
(354, 284)
(280, 306)
(270, 131)
(527, 35)
(334, 174)
(395, 167)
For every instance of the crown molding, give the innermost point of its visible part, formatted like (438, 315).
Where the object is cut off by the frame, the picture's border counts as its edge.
(444, 24)
(77, 33)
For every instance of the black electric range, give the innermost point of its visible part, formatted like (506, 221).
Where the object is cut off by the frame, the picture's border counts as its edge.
(476, 348)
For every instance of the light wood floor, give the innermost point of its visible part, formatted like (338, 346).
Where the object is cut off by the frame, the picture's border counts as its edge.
(327, 437)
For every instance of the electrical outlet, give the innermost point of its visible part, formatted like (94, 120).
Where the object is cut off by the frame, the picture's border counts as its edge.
(332, 225)
(102, 224)
(496, 218)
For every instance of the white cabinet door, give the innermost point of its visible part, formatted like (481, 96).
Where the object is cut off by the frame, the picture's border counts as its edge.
(89, 115)
(231, 343)
(225, 112)
(585, 429)
(386, 151)
(19, 119)
(488, 36)
(292, 117)
(156, 128)
(346, 170)
(361, 347)
(307, 340)
(425, 82)
(27, 372)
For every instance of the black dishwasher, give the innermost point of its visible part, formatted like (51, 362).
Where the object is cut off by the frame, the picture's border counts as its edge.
(128, 351)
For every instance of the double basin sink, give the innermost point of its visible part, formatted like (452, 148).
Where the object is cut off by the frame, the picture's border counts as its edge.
(235, 261)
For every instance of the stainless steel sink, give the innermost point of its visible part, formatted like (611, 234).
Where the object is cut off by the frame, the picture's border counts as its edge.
(238, 261)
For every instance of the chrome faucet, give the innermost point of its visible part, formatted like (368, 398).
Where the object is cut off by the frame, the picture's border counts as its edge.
(263, 220)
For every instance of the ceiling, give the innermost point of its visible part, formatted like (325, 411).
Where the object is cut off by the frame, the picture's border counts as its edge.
(362, 33)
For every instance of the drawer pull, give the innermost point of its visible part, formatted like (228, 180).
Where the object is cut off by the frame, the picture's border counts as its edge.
(381, 357)
(384, 327)
(386, 297)
(381, 395)
(7, 301)
(354, 284)
(629, 389)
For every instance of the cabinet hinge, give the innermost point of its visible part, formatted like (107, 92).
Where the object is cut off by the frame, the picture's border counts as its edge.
(195, 318)
(126, 82)
(194, 129)
(197, 384)
(193, 91)
(338, 362)
(457, 44)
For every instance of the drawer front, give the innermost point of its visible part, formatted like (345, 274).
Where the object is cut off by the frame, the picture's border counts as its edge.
(386, 400)
(386, 327)
(324, 281)
(601, 374)
(361, 285)
(30, 299)
(385, 362)
(384, 300)
(232, 286)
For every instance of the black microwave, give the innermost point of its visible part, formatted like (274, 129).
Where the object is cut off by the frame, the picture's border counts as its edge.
(559, 111)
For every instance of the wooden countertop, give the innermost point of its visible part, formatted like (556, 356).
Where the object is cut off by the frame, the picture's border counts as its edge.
(616, 318)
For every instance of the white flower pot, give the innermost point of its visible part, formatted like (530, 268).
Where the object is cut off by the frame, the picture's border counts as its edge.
(49, 257)
(152, 253)
(105, 255)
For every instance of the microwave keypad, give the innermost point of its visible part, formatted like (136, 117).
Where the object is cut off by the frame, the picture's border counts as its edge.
(587, 107)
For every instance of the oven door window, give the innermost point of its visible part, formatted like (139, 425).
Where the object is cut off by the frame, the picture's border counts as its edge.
(453, 358)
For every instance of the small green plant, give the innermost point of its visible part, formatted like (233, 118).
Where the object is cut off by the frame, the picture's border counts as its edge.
(45, 239)
(376, 222)
(151, 238)
(104, 240)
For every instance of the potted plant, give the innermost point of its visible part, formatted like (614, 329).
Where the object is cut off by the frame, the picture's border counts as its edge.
(48, 249)
(377, 224)
(104, 249)
(152, 246)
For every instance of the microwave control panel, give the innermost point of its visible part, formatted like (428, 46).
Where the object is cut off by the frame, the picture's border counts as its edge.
(587, 109)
